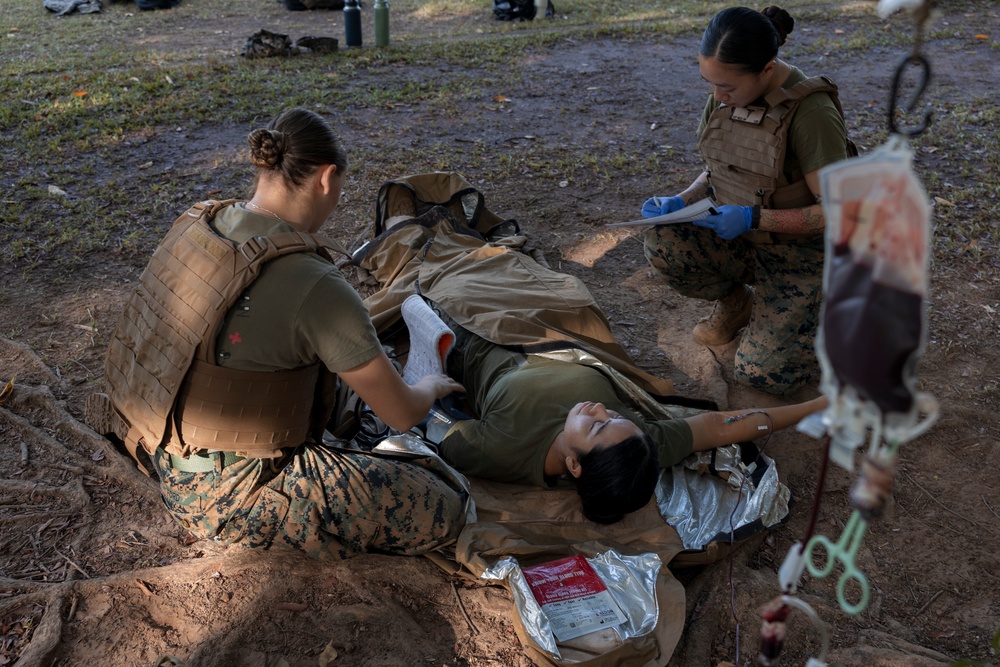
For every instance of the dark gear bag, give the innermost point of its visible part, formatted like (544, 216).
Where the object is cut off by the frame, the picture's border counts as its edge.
(156, 4)
(302, 5)
(417, 194)
(520, 10)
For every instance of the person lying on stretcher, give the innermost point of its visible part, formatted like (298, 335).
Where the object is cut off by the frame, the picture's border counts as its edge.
(552, 398)
(543, 421)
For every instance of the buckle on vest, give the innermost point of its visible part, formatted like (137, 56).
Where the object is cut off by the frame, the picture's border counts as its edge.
(253, 248)
(751, 114)
(203, 461)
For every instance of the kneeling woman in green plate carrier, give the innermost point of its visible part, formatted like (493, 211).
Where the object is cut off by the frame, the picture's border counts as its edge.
(224, 364)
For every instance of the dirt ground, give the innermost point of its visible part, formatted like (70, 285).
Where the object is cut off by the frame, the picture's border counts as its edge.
(94, 571)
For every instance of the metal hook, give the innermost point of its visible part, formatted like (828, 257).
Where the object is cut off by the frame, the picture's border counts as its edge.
(925, 66)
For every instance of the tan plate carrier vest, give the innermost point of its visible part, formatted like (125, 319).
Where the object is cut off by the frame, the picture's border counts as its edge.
(745, 157)
(160, 369)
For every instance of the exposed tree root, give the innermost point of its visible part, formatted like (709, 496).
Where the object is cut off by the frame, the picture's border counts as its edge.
(45, 638)
(72, 492)
(22, 356)
(58, 418)
(35, 591)
(47, 512)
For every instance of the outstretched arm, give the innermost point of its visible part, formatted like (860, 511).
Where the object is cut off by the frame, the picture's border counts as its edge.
(399, 405)
(716, 429)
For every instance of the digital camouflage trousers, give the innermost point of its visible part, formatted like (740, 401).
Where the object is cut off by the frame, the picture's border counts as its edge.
(323, 501)
(776, 353)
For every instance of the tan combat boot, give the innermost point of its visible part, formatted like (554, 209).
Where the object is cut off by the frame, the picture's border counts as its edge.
(731, 313)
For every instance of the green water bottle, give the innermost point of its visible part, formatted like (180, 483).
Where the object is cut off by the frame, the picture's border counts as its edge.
(381, 9)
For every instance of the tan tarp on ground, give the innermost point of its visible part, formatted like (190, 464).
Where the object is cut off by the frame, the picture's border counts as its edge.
(503, 295)
(492, 290)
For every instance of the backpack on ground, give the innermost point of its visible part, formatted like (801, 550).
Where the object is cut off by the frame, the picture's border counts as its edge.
(415, 195)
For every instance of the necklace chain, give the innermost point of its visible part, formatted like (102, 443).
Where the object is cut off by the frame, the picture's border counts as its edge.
(266, 210)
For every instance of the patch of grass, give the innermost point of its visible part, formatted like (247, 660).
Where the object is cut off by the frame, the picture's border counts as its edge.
(966, 207)
(81, 90)
(71, 82)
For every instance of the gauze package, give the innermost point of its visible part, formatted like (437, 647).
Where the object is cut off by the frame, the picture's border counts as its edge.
(577, 607)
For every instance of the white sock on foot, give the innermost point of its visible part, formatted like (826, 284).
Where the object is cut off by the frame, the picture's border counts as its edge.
(430, 340)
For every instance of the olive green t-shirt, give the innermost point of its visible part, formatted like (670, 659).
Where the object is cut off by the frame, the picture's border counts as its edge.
(300, 309)
(521, 405)
(817, 135)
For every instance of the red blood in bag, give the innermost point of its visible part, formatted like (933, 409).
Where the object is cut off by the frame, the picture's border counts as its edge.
(870, 333)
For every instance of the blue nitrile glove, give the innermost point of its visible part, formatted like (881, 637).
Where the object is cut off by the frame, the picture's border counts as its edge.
(729, 222)
(655, 206)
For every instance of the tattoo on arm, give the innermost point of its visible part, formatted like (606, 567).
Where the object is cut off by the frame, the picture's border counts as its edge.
(697, 190)
(808, 220)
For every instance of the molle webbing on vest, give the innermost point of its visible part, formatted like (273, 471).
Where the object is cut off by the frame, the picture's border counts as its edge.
(174, 315)
(250, 413)
(746, 160)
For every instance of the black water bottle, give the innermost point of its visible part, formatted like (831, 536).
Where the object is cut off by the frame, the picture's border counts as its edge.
(352, 22)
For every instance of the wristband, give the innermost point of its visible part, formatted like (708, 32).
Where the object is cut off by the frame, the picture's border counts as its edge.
(755, 218)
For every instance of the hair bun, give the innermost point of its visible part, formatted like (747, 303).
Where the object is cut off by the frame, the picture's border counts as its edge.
(782, 20)
(267, 148)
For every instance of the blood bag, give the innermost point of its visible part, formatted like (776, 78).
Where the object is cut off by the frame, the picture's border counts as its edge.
(873, 323)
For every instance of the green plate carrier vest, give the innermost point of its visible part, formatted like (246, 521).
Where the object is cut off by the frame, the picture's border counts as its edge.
(160, 368)
(745, 149)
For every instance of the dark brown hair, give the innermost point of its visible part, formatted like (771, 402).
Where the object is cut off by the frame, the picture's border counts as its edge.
(294, 145)
(745, 37)
(618, 479)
